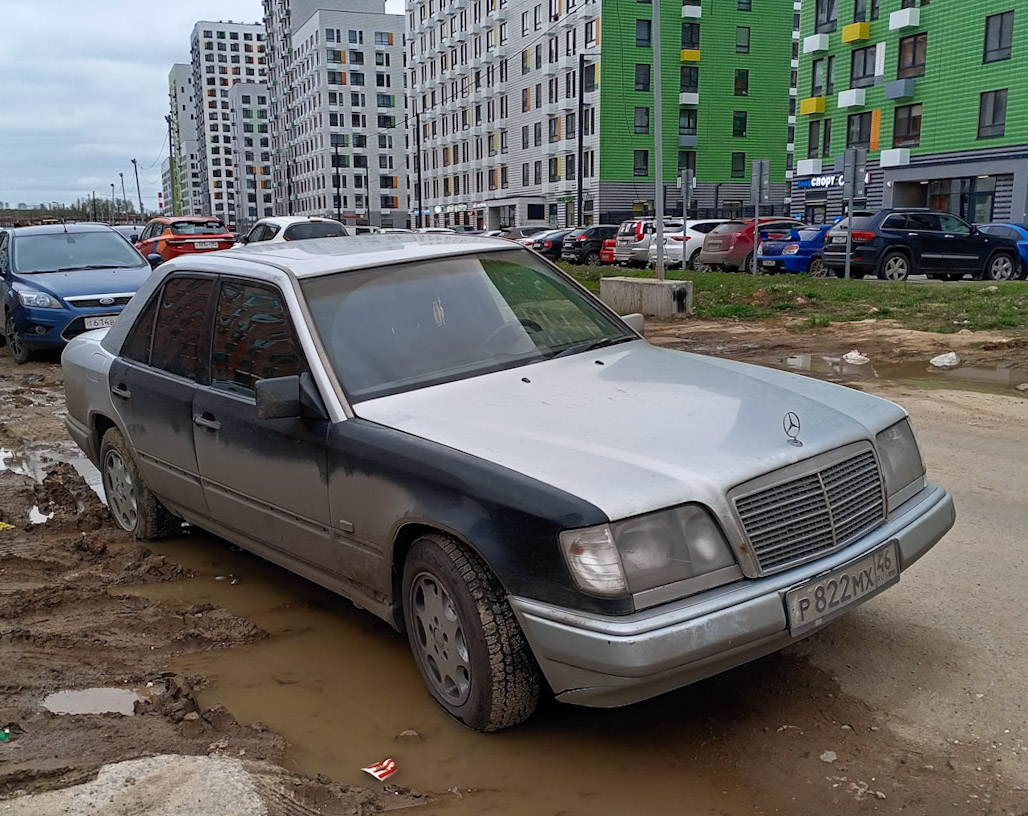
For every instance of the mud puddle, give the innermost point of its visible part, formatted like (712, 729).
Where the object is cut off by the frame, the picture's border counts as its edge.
(989, 378)
(92, 701)
(35, 460)
(343, 690)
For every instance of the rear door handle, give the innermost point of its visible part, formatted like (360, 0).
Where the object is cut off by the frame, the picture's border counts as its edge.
(120, 390)
(206, 420)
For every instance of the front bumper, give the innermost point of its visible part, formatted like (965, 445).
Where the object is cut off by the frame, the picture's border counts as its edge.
(607, 661)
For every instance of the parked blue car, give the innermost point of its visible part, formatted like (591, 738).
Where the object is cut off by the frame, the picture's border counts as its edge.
(59, 280)
(1016, 232)
(800, 253)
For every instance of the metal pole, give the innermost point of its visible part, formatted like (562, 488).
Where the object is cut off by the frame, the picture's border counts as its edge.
(112, 202)
(658, 144)
(174, 172)
(139, 192)
(849, 231)
(581, 132)
(417, 165)
(367, 192)
(335, 171)
(94, 205)
(123, 196)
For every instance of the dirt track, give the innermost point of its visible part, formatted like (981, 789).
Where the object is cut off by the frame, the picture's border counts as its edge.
(75, 613)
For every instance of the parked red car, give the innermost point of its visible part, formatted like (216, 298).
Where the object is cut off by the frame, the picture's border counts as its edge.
(171, 236)
(607, 251)
(729, 246)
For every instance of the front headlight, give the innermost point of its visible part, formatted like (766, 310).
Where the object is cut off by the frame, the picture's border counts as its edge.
(902, 466)
(38, 300)
(645, 552)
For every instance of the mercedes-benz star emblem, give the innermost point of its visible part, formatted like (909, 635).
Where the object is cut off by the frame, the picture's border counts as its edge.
(791, 426)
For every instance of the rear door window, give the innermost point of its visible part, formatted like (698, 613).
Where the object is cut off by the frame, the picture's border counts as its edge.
(896, 221)
(178, 340)
(924, 222)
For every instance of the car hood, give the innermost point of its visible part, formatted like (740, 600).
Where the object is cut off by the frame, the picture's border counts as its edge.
(87, 281)
(634, 428)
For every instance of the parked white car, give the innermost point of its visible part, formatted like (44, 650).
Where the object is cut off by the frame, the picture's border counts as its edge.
(684, 242)
(291, 228)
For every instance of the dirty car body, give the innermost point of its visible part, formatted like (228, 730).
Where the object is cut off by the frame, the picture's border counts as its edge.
(459, 438)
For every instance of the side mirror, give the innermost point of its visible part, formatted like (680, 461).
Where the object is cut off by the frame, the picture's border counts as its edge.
(134, 238)
(635, 322)
(291, 397)
(244, 239)
(154, 259)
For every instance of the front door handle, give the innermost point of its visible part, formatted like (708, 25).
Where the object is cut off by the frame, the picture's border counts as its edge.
(206, 420)
(120, 390)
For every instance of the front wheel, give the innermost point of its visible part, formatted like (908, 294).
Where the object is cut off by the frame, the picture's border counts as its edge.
(817, 269)
(16, 347)
(132, 505)
(895, 267)
(1001, 267)
(468, 646)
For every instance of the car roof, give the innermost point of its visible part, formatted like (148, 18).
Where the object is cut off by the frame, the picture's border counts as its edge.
(173, 219)
(50, 229)
(288, 220)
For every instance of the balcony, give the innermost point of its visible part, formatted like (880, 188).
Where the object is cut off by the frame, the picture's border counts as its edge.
(900, 89)
(814, 43)
(688, 98)
(808, 167)
(551, 69)
(812, 105)
(856, 32)
(569, 103)
(488, 92)
(896, 157)
(905, 18)
(690, 55)
(853, 98)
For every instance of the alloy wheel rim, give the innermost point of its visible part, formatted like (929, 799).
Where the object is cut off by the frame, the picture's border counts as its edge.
(120, 490)
(1002, 269)
(439, 639)
(896, 269)
(14, 340)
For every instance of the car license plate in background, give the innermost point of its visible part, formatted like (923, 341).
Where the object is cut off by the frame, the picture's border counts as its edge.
(101, 322)
(205, 244)
(838, 239)
(823, 598)
(768, 263)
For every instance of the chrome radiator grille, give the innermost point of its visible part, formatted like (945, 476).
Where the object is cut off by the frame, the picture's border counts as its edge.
(802, 518)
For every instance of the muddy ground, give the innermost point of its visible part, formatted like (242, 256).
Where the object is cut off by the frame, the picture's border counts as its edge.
(75, 613)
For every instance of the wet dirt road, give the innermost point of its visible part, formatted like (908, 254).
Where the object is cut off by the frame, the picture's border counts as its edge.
(913, 704)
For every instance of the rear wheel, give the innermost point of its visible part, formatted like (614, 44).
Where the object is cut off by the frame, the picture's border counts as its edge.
(817, 269)
(468, 646)
(895, 267)
(747, 265)
(1001, 267)
(696, 265)
(16, 347)
(132, 505)
(591, 258)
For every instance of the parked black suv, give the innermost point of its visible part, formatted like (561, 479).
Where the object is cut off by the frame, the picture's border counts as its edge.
(550, 244)
(896, 243)
(583, 245)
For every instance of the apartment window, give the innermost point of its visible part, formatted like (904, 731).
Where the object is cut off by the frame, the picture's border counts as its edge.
(642, 120)
(738, 123)
(992, 114)
(589, 78)
(817, 77)
(862, 67)
(553, 170)
(690, 79)
(641, 163)
(742, 82)
(830, 76)
(691, 36)
(553, 130)
(538, 133)
(686, 160)
(999, 36)
(526, 169)
(537, 172)
(744, 5)
(524, 137)
(687, 122)
(642, 76)
(642, 33)
(906, 129)
(826, 16)
(813, 139)
(858, 130)
(826, 139)
(738, 165)
(742, 40)
(912, 52)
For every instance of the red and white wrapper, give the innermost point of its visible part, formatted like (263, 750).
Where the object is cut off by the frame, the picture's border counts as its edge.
(380, 770)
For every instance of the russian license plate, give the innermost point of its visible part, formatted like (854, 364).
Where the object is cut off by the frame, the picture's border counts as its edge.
(205, 244)
(838, 239)
(821, 599)
(100, 322)
(768, 263)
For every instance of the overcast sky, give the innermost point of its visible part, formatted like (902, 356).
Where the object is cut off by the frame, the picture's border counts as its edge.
(85, 90)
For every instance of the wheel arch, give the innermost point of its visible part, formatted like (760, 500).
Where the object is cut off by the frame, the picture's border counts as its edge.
(898, 249)
(1015, 260)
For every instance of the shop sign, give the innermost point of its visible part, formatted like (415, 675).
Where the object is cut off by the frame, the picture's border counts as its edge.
(566, 198)
(818, 182)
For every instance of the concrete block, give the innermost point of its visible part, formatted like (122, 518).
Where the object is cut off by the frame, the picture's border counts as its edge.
(647, 296)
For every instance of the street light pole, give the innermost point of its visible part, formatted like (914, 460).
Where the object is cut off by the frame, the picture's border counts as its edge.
(123, 196)
(581, 131)
(139, 192)
(112, 202)
(658, 144)
(335, 174)
(417, 163)
(174, 172)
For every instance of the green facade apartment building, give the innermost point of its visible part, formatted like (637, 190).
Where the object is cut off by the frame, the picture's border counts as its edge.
(938, 94)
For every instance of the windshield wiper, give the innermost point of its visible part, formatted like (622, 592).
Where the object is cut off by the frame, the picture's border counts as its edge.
(591, 345)
(88, 266)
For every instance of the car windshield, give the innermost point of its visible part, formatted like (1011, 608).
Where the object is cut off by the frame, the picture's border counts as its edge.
(392, 329)
(729, 226)
(320, 229)
(198, 228)
(67, 251)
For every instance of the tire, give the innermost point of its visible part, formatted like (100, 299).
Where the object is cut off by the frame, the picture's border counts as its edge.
(695, 264)
(1001, 267)
(592, 257)
(747, 265)
(16, 347)
(130, 502)
(895, 266)
(468, 646)
(817, 269)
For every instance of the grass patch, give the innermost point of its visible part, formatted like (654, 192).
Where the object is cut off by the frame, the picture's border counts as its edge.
(940, 307)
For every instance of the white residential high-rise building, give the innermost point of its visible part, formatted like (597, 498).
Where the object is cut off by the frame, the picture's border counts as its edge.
(336, 81)
(223, 55)
(188, 191)
(251, 137)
